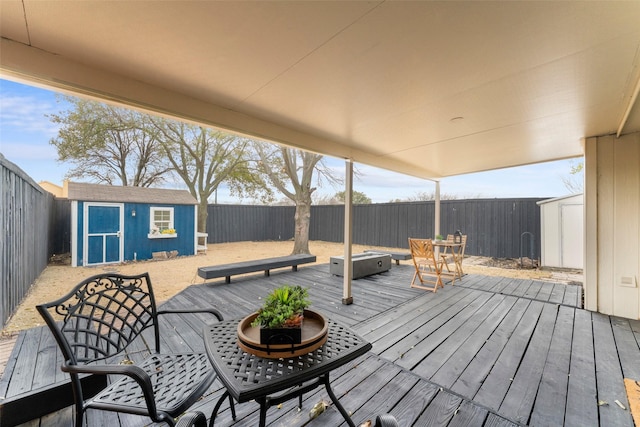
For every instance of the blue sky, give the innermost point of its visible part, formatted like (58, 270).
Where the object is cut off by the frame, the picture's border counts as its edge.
(25, 132)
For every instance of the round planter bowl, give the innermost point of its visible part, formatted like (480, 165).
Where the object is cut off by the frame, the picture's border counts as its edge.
(314, 335)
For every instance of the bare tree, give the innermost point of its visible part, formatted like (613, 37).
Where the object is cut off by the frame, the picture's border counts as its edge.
(291, 172)
(108, 144)
(204, 158)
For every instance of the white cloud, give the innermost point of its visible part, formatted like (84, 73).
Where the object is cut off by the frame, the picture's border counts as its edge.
(27, 114)
(16, 151)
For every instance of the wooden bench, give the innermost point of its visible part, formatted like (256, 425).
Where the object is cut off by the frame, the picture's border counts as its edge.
(396, 256)
(267, 264)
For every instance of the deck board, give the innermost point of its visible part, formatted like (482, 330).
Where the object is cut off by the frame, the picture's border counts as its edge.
(23, 370)
(408, 410)
(628, 348)
(440, 411)
(9, 368)
(550, 401)
(468, 415)
(475, 373)
(487, 351)
(609, 374)
(353, 396)
(570, 295)
(387, 397)
(455, 340)
(498, 284)
(545, 292)
(582, 380)
(495, 386)
(494, 420)
(533, 290)
(557, 293)
(519, 400)
(417, 325)
(399, 344)
(415, 312)
(449, 372)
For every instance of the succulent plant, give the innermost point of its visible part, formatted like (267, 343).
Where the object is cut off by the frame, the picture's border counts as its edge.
(283, 307)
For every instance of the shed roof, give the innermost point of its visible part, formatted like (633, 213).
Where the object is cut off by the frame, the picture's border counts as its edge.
(555, 199)
(110, 193)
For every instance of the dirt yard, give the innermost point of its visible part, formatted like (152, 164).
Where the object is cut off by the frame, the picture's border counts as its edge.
(171, 276)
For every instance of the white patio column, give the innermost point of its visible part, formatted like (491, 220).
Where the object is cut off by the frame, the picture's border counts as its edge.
(436, 228)
(347, 298)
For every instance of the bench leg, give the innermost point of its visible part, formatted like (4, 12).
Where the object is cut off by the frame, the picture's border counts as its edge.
(227, 279)
(294, 268)
(266, 273)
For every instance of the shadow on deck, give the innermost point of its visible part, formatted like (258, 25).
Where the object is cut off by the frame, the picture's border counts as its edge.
(487, 351)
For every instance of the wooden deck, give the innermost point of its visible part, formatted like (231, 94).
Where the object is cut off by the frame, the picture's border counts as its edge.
(488, 351)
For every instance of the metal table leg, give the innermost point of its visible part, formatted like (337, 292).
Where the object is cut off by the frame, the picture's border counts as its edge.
(336, 402)
(217, 407)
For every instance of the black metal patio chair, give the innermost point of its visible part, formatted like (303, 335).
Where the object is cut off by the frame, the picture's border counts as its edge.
(95, 325)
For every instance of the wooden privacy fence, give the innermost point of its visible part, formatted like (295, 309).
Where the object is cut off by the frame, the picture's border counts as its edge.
(26, 214)
(494, 226)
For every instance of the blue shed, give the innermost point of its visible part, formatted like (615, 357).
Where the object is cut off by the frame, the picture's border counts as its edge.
(112, 224)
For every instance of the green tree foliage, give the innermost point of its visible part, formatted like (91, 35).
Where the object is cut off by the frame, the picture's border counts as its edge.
(108, 144)
(423, 196)
(291, 172)
(358, 198)
(575, 181)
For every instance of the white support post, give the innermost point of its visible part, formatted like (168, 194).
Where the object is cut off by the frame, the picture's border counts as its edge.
(436, 229)
(347, 298)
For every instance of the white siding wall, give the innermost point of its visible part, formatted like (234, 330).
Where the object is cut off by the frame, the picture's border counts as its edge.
(612, 225)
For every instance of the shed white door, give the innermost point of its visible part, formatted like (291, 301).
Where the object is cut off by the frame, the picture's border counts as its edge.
(572, 238)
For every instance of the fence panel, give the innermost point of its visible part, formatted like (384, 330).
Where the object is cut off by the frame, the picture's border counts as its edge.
(26, 212)
(493, 226)
(60, 223)
(238, 223)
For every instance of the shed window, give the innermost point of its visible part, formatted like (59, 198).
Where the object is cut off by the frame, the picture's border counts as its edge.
(162, 220)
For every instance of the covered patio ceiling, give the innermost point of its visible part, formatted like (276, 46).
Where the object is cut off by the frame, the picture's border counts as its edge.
(430, 89)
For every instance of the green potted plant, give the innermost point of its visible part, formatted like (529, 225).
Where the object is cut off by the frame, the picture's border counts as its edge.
(439, 237)
(280, 317)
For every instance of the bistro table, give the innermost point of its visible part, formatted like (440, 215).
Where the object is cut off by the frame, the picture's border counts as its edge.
(273, 381)
(456, 252)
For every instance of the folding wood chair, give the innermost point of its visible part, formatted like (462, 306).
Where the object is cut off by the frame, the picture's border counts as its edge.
(428, 270)
(450, 256)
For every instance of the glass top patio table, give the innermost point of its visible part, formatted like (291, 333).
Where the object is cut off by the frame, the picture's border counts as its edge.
(248, 377)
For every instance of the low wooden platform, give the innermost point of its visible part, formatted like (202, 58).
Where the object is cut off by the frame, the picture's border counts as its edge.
(488, 351)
